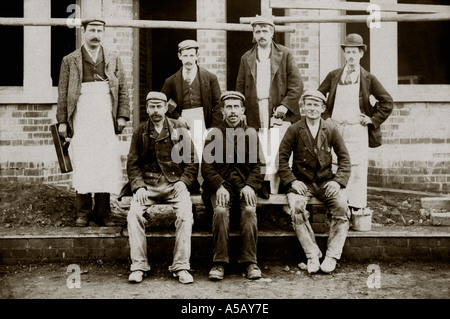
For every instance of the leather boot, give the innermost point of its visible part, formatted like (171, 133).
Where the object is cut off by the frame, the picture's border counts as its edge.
(102, 210)
(84, 208)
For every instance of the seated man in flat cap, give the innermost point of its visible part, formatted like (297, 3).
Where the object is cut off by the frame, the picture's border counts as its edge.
(311, 141)
(194, 94)
(158, 173)
(233, 175)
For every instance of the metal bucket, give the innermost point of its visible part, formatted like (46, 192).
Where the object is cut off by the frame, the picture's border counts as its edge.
(362, 222)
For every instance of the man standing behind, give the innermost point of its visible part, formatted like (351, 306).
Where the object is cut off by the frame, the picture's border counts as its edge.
(271, 83)
(195, 94)
(93, 106)
(157, 173)
(358, 121)
(311, 141)
(269, 78)
(232, 172)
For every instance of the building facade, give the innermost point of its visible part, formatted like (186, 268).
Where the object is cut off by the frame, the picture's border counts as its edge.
(414, 68)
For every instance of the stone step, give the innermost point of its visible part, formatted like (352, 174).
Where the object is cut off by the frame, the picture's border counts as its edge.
(78, 244)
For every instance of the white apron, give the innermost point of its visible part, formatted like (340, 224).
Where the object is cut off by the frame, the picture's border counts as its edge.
(94, 145)
(197, 130)
(346, 116)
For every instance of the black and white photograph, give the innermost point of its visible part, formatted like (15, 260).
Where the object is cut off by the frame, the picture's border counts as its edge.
(244, 159)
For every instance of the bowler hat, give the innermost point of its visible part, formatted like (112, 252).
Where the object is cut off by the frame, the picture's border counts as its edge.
(314, 94)
(187, 44)
(353, 40)
(94, 21)
(156, 96)
(262, 20)
(232, 95)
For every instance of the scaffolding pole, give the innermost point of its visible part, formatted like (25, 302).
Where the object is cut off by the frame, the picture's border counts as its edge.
(150, 24)
(357, 18)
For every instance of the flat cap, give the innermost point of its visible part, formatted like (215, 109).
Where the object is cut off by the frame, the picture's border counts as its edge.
(187, 44)
(232, 95)
(314, 94)
(262, 20)
(95, 21)
(354, 40)
(156, 96)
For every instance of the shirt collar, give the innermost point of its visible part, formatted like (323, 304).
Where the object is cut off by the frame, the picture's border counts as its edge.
(354, 76)
(193, 73)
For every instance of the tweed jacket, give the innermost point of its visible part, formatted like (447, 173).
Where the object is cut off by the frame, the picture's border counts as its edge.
(210, 95)
(286, 85)
(69, 87)
(247, 161)
(309, 166)
(369, 85)
(185, 169)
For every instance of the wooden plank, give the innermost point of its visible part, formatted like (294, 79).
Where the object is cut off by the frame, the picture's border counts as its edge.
(151, 24)
(357, 18)
(356, 6)
(275, 199)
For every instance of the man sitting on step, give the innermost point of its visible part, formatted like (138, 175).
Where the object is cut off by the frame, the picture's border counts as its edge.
(158, 173)
(311, 141)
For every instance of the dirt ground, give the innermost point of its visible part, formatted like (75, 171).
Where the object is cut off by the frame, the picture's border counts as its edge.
(38, 205)
(110, 281)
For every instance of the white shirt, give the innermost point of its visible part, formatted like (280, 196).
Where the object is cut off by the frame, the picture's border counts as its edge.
(354, 76)
(93, 53)
(314, 129)
(191, 75)
(263, 73)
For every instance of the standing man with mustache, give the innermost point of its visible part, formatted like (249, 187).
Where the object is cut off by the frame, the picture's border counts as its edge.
(194, 93)
(93, 106)
(349, 89)
(270, 81)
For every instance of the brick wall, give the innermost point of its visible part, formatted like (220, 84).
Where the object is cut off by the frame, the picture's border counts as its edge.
(415, 153)
(212, 52)
(304, 44)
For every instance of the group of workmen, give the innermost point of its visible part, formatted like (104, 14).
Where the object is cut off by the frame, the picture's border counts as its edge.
(200, 140)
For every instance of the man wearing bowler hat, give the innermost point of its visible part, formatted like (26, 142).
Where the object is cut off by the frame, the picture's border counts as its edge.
(93, 106)
(232, 171)
(158, 173)
(349, 89)
(310, 141)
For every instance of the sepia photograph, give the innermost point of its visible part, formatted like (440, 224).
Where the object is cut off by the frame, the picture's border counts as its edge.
(225, 158)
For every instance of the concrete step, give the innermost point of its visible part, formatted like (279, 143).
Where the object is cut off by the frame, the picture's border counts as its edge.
(76, 244)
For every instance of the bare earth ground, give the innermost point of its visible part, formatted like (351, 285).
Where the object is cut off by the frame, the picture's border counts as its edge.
(110, 281)
(41, 205)
(46, 206)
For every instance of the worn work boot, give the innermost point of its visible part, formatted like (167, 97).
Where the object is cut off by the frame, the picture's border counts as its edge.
(184, 276)
(102, 210)
(136, 276)
(328, 264)
(253, 271)
(84, 207)
(217, 272)
(82, 221)
(313, 265)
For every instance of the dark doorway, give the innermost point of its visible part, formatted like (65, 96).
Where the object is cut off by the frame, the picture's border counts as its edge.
(238, 42)
(158, 47)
